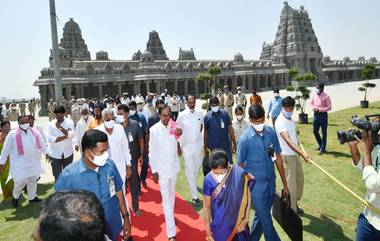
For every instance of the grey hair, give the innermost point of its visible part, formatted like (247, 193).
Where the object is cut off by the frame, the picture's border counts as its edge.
(107, 111)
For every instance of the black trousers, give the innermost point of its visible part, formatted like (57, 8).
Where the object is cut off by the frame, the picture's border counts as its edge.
(135, 186)
(59, 164)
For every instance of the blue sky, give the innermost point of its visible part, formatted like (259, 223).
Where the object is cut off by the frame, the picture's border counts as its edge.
(215, 29)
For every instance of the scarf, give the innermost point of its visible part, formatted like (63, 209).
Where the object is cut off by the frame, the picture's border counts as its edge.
(20, 148)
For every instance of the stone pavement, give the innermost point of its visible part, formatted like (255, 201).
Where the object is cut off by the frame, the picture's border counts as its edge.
(342, 95)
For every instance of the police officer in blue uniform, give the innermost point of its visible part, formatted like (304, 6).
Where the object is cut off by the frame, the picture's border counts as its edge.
(258, 151)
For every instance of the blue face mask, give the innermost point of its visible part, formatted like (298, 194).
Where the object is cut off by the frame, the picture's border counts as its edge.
(288, 114)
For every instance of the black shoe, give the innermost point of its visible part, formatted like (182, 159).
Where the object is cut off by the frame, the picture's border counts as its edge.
(300, 211)
(35, 200)
(322, 152)
(15, 202)
(317, 148)
(196, 202)
(172, 239)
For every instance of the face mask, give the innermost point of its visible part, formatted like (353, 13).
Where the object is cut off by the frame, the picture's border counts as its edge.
(276, 95)
(100, 160)
(119, 119)
(109, 124)
(132, 112)
(239, 92)
(25, 126)
(219, 177)
(318, 91)
(215, 109)
(287, 114)
(259, 127)
(85, 117)
(239, 117)
(140, 107)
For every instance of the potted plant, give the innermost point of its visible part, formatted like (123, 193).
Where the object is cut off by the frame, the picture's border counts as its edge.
(367, 74)
(301, 94)
(293, 72)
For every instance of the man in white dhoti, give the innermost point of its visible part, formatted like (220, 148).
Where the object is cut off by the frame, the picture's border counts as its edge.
(24, 146)
(81, 128)
(118, 144)
(164, 161)
(191, 123)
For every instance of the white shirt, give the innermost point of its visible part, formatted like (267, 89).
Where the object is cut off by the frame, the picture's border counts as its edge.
(40, 130)
(285, 125)
(239, 127)
(65, 147)
(191, 124)
(118, 148)
(163, 151)
(371, 177)
(80, 129)
(26, 165)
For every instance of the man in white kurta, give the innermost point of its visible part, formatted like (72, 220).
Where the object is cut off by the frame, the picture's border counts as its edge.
(191, 123)
(81, 128)
(25, 159)
(118, 144)
(164, 161)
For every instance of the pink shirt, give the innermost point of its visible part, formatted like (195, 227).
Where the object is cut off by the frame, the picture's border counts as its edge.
(321, 101)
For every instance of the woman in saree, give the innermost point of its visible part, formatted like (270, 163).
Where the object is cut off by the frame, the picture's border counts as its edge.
(226, 200)
(5, 181)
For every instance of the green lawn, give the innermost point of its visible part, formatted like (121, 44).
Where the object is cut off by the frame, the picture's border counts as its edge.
(330, 212)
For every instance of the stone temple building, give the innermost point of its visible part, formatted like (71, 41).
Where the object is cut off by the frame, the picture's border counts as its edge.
(295, 45)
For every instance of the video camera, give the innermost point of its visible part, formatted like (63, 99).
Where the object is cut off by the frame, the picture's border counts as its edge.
(364, 124)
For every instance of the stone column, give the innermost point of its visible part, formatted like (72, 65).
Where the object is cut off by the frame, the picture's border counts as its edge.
(234, 82)
(266, 78)
(196, 88)
(250, 80)
(77, 91)
(147, 86)
(187, 87)
(44, 94)
(68, 91)
(119, 87)
(51, 92)
(175, 85)
(81, 89)
(100, 88)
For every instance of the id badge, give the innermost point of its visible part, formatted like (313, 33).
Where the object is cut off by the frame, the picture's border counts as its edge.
(222, 124)
(140, 124)
(111, 184)
(130, 137)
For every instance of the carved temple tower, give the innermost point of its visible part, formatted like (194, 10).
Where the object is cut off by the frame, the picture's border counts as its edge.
(154, 45)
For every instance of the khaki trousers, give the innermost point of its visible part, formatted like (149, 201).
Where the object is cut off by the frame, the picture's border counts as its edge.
(294, 177)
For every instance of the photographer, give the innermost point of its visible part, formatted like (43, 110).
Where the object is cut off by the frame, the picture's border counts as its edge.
(368, 224)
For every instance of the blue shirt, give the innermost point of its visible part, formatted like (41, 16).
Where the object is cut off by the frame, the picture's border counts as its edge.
(275, 106)
(78, 176)
(253, 153)
(140, 118)
(217, 125)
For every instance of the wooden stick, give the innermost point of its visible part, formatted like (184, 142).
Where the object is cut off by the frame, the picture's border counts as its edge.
(365, 202)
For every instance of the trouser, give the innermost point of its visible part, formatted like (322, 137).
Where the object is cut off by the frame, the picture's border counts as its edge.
(262, 220)
(31, 187)
(23, 112)
(294, 178)
(365, 231)
(274, 118)
(229, 110)
(174, 115)
(167, 188)
(192, 163)
(320, 121)
(144, 168)
(59, 164)
(135, 186)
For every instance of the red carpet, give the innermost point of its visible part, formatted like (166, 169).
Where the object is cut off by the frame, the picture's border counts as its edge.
(150, 226)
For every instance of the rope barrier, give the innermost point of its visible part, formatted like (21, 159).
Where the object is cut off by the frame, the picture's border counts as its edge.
(363, 201)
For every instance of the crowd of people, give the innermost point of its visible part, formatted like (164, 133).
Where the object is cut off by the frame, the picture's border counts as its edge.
(116, 135)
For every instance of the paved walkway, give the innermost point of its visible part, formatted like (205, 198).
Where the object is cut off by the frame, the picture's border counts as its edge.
(343, 96)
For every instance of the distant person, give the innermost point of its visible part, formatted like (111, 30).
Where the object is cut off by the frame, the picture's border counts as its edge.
(97, 120)
(218, 130)
(5, 179)
(240, 123)
(174, 106)
(228, 100)
(76, 109)
(60, 136)
(287, 135)
(73, 215)
(32, 108)
(255, 99)
(13, 114)
(24, 147)
(275, 106)
(96, 172)
(320, 104)
(81, 128)
(51, 106)
(226, 218)
(22, 107)
(241, 99)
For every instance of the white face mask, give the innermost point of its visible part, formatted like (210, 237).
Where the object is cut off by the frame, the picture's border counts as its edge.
(276, 95)
(219, 177)
(239, 92)
(100, 160)
(109, 124)
(239, 117)
(140, 107)
(25, 126)
(132, 112)
(259, 127)
(119, 119)
(215, 109)
(318, 91)
(85, 117)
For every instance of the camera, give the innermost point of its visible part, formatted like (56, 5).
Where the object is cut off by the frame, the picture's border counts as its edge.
(363, 124)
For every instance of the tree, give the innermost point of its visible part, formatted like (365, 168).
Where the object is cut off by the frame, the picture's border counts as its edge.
(365, 88)
(209, 77)
(368, 72)
(301, 94)
(204, 77)
(293, 72)
(214, 71)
